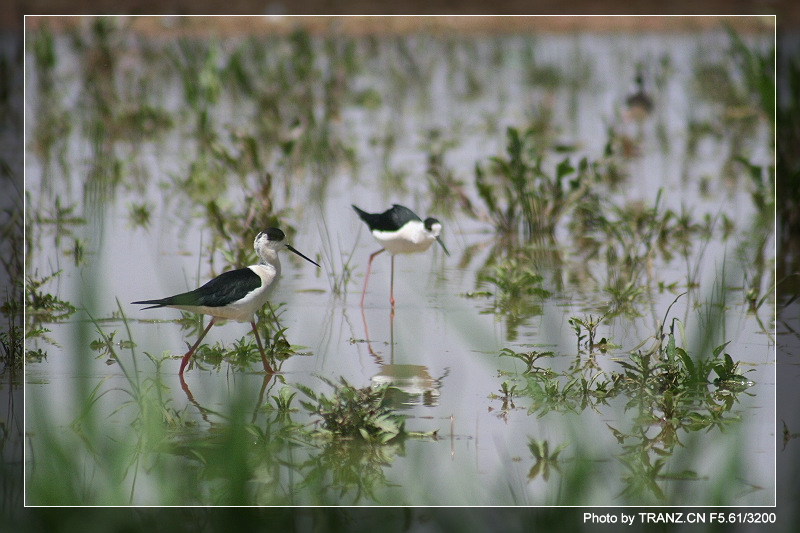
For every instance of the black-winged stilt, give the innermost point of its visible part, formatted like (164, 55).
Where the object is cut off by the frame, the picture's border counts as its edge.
(400, 231)
(236, 294)
(639, 104)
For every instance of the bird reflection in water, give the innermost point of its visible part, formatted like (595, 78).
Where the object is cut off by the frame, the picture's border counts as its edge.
(204, 411)
(409, 385)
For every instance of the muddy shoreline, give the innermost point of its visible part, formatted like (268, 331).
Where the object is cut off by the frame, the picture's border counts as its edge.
(400, 25)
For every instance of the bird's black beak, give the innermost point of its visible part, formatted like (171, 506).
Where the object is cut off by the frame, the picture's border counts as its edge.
(442, 243)
(301, 255)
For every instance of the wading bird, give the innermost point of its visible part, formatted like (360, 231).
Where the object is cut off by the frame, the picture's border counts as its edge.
(399, 231)
(236, 294)
(639, 104)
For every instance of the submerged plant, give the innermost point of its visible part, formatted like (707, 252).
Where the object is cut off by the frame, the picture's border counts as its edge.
(12, 341)
(726, 371)
(339, 268)
(757, 68)
(244, 351)
(446, 190)
(283, 401)
(528, 358)
(629, 241)
(545, 459)
(518, 291)
(139, 215)
(42, 304)
(520, 196)
(345, 467)
(590, 324)
(669, 391)
(355, 413)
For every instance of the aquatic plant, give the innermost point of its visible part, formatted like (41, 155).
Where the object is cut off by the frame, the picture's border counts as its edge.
(590, 324)
(340, 272)
(243, 352)
(446, 190)
(762, 178)
(544, 458)
(518, 291)
(139, 215)
(528, 358)
(43, 305)
(664, 385)
(520, 196)
(628, 241)
(12, 275)
(355, 413)
(758, 71)
(12, 335)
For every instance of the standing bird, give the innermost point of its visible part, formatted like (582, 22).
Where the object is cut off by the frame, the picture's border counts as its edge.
(399, 231)
(236, 294)
(639, 104)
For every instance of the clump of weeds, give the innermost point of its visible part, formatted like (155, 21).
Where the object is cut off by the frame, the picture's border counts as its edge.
(517, 290)
(520, 196)
(545, 459)
(354, 413)
(665, 386)
(42, 304)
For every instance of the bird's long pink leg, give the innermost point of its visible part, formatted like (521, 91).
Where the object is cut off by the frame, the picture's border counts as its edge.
(391, 285)
(186, 357)
(366, 277)
(267, 368)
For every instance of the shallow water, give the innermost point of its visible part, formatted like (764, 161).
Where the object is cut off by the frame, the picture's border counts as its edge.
(441, 344)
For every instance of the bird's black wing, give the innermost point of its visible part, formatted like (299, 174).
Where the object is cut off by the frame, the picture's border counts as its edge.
(390, 220)
(226, 288)
(400, 215)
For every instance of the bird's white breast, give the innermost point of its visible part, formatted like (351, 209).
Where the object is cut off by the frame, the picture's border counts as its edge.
(411, 238)
(269, 275)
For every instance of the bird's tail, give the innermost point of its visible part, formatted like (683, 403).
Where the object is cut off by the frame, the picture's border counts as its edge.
(363, 214)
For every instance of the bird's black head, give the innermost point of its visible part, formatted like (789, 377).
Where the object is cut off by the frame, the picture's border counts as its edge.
(434, 227)
(274, 234)
(429, 222)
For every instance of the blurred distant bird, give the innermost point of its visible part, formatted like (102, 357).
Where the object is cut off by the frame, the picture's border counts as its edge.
(639, 104)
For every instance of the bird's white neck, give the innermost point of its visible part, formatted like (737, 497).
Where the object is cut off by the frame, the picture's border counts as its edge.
(268, 256)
